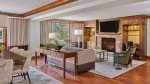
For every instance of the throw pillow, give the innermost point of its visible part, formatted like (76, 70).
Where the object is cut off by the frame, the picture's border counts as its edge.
(61, 42)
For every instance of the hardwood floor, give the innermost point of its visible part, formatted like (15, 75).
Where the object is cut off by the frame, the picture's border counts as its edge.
(139, 75)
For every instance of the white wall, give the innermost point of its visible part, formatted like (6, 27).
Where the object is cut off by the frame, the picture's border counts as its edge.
(148, 37)
(3, 21)
(34, 35)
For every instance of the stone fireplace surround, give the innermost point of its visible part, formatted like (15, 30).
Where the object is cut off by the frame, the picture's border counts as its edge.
(118, 38)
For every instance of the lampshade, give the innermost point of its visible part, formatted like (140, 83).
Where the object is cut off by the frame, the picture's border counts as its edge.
(78, 32)
(3, 21)
(52, 35)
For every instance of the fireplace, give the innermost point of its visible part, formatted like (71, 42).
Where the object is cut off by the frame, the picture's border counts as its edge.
(109, 44)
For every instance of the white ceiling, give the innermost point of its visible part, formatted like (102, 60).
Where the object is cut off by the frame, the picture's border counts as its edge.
(79, 10)
(21, 6)
(96, 9)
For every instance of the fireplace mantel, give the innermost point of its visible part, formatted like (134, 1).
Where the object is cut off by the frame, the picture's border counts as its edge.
(98, 34)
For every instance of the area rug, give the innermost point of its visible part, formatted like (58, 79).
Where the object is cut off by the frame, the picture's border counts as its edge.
(37, 77)
(107, 68)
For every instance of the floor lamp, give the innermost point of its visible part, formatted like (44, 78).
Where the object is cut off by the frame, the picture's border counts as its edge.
(78, 33)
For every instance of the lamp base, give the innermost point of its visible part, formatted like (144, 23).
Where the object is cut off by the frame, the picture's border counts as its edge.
(118, 68)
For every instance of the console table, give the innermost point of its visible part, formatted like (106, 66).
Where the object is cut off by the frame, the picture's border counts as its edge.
(61, 54)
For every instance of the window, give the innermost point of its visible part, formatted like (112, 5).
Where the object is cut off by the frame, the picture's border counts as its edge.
(1, 40)
(65, 31)
(61, 30)
(55, 26)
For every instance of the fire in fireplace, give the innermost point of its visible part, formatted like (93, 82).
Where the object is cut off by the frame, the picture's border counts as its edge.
(109, 44)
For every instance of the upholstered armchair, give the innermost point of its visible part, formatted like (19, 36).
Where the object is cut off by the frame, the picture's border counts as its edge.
(124, 58)
(18, 51)
(6, 70)
(23, 69)
(13, 49)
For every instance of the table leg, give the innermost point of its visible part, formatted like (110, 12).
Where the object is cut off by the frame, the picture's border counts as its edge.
(107, 55)
(64, 67)
(45, 58)
(75, 67)
(36, 58)
(103, 56)
(100, 56)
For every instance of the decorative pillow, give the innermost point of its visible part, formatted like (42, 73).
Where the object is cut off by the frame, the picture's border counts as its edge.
(61, 42)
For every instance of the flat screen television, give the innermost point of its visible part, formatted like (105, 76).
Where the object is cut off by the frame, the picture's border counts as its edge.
(109, 26)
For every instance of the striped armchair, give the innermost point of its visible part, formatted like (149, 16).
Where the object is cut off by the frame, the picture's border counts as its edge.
(23, 69)
(6, 70)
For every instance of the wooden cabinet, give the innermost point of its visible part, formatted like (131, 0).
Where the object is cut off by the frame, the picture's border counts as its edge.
(134, 29)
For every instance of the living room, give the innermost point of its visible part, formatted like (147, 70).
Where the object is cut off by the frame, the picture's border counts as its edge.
(74, 41)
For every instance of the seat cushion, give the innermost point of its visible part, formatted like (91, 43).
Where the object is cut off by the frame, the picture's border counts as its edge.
(17, 69)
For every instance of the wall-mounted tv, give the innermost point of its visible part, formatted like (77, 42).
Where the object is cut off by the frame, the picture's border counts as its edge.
(109, 26)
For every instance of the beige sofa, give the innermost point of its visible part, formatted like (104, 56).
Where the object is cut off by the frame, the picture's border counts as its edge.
(85, 61)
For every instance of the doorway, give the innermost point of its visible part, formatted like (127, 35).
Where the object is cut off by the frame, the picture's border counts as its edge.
(3, 39)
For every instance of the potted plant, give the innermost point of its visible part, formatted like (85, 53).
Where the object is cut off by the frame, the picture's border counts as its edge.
(55, 46)
(97, 47)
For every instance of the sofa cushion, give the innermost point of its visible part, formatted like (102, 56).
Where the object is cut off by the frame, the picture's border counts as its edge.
(71, 48)
(62, 42)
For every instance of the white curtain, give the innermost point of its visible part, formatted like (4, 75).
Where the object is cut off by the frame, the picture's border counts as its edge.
(18, 32)
(45, 29)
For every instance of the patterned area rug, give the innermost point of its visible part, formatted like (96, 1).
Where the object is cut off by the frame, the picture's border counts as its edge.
(37, 77)
(107, 68)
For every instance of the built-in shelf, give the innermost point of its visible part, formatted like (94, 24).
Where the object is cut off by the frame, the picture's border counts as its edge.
(133, 35)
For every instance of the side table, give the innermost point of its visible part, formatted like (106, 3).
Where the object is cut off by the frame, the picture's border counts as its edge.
(102, 55)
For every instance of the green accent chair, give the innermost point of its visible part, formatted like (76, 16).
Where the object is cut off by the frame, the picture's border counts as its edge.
(125, 57)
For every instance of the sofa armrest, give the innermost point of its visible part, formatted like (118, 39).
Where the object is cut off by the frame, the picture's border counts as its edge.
(86, 56)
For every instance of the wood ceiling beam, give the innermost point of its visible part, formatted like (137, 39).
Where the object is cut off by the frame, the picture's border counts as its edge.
(11, 14)
(51, 5)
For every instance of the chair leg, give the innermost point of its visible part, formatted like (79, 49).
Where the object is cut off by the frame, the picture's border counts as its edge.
(114, 63)
(11, 81)
(21, 74)
(24, 75)
(28, 77)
